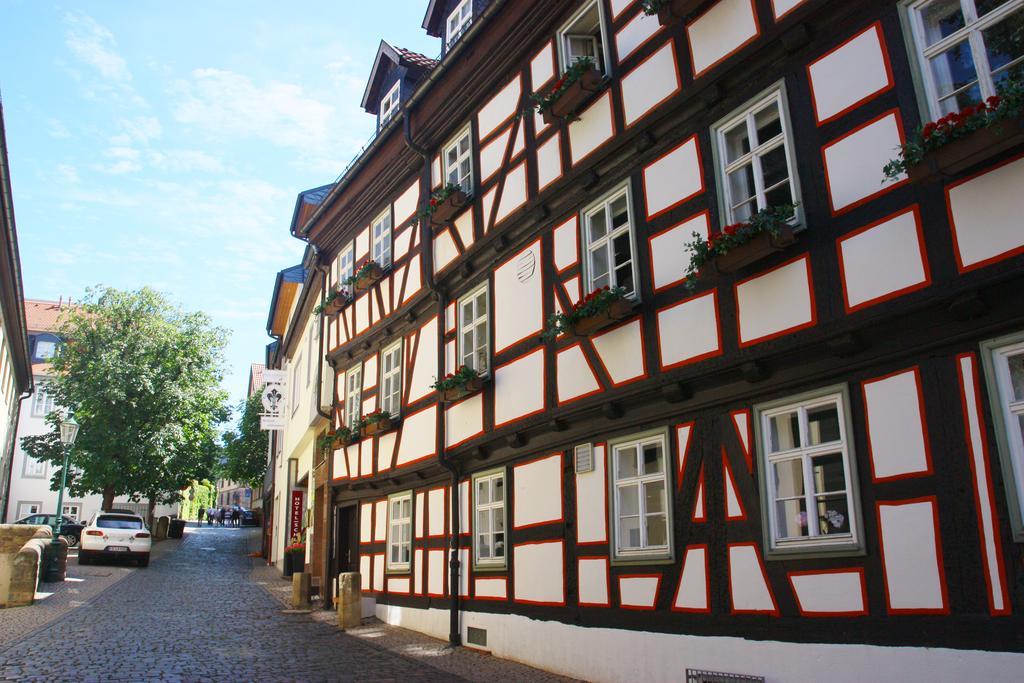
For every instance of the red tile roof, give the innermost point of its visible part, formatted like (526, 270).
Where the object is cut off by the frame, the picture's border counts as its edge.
(416, 58)
(255, 377)
(41, 316)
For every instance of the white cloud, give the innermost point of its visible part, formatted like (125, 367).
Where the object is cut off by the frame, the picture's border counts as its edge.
(67, 174)
(94, 45)
(141, 130)
(186, 161)
(58, 130)
(125, 160)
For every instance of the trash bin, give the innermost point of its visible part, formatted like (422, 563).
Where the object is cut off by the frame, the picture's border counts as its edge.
(55, 570)
(176, 528)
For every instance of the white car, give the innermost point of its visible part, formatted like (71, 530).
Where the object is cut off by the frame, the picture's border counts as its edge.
(110, 534)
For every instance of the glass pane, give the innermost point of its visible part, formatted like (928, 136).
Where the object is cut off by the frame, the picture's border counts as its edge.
(626, 462)
(499, 520)
(481, 304)
(467, 342)
(629, 501)
(467, 312)
(654, 496)
(1004, 42)
(464, 145)
(623, 256)
(394, 554)
(963, 98)
(629, 532)
(784, 432)
(652, 459)
(484, 546)
(767, 123)
(598, 226)
(774, 168)
(833, 515)
(953, 69)
(499, 545)
(481, 333)
(783, 194)
(741, 184)
(940, 19)
(737, 142)
(823, 424)
(657, 530)
(829, 473)
(986, 6)
(744, 211)
(620, 212)
(499, 489)
(483, 522)
(791, 517)
(789, 478)
(599, 265)
(483, 493)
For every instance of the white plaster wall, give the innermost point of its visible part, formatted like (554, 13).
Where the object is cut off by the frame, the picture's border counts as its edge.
(850, 74)
(650, 83)
(722, 29)
(986, 213)
(673, 178)
(593, 128)
(499, 108)
(853, 164)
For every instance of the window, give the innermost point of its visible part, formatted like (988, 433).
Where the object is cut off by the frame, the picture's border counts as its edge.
(73, 510)
(489, 525)
(45, 349)
(399, 531)
(42, 402)
(474, 335)
(346, 265)
(807, 476)
(391, 379)
(353, 395)
(1004, 368)
(458, 21)
(33, 469)
(966, 49)
(25, 509)
(389, 104)
(755, 159)
(583, 37)
(458, 161)
(608, 235)
(381, 231)
(641, 510)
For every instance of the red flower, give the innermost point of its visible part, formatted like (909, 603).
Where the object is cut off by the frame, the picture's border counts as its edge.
(929, 130)
(433, 202)
(993, 102)
(731, 229)
(560, 82)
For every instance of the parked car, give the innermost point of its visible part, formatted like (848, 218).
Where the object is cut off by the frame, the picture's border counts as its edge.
(249, 518)
(69, 528)
(115, 535)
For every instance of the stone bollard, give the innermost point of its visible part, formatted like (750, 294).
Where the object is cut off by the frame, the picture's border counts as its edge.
(300, 590)
(160, 532)
(349, 600)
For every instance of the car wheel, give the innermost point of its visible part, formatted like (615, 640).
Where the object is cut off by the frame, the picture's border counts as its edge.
(70, 539)
(144, 561)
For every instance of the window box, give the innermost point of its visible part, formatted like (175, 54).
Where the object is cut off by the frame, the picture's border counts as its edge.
(367, 276)
(589, 325)
(462, 382)
(738, 245)
(760, 247)
(378, 422)
(572, 97)
(468, 389)
(335, 300)
(959, 155)
(671, 11)
(594, 312)
(447, 208)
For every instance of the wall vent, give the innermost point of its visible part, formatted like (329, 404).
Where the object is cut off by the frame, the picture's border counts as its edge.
(698, 676)
(476, 636)
(584, 458)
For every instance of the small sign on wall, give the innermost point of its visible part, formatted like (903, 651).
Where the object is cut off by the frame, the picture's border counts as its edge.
(295, 518)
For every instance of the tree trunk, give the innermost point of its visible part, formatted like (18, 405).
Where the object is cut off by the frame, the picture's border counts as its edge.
(108, 497)
(149, 513)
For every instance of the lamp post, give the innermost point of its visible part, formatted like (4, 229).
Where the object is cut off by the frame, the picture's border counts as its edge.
(68, 434)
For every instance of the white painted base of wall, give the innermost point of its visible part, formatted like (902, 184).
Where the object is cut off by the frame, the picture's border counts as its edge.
(605, 654)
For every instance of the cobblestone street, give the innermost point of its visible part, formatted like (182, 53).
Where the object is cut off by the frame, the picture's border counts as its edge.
(200, 613)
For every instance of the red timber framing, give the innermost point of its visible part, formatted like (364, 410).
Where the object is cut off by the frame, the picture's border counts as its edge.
(876, 301)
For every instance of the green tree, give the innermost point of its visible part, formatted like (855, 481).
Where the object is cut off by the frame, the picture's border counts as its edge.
(245, 450)
(143, 378)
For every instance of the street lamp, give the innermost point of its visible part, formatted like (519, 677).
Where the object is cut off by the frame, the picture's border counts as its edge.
(68, 434)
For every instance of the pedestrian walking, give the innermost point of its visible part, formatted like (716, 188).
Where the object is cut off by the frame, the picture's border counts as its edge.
(199, 515)
(236, 517)
(209, 516)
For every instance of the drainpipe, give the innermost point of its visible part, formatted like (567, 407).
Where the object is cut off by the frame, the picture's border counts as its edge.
(426, 240)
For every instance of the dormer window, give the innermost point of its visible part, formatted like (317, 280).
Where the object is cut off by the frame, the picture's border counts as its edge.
(458, 21)
(389, 104)
(583, 38)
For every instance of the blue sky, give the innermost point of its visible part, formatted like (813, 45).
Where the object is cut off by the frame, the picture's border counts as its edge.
(163, 144)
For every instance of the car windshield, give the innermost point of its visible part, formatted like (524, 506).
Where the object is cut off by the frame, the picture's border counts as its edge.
(118, 523)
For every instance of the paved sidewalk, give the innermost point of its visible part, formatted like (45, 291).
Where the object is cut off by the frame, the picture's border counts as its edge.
(464, 663)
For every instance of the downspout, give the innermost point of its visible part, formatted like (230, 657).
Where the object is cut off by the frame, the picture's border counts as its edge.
(426, 242)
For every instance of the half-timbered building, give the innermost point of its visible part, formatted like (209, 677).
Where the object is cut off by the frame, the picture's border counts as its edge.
(807, 466)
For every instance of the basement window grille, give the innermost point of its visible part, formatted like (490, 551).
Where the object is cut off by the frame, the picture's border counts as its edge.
(584, 454)
(476, 636)
(699, 676)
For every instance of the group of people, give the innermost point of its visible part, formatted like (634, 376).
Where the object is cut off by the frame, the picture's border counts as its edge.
(224, 516)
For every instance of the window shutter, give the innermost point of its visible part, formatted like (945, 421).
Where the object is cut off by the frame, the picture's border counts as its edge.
(584, 456)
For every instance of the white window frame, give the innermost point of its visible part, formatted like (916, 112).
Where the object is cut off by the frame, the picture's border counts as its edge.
(53, 349)
(816, 544)
(995, 355)
(380, 236)
(605, 243)
(603, 54)
(395, 525)
(346, 265)
(353, 394)
(42, 402)
(462, 325)
(645, 552)
(460, 19)
(492, 509)
(389, 103)
(971, 32)
(391, 380)
(38, 505)
(33, 468)
(776, 94)
(466, 182)
(77, 507)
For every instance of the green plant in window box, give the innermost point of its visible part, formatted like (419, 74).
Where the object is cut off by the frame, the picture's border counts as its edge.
(669, 11)
(377, 422)
(592, 313)
(339, 438)
(456, 385)
(444, 204)
(332, 304)
(740, 244)
(962, 139)
(563, 99)
(365, 276)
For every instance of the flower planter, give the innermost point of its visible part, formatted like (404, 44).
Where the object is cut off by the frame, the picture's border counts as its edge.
(677, 9)
(470, 387)
(961, 154)
(574, 95)
(294, 563)
(446, 209)
(618, 310)
(373, 274)
(334, 307)
(761, 246)
(377, 427)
